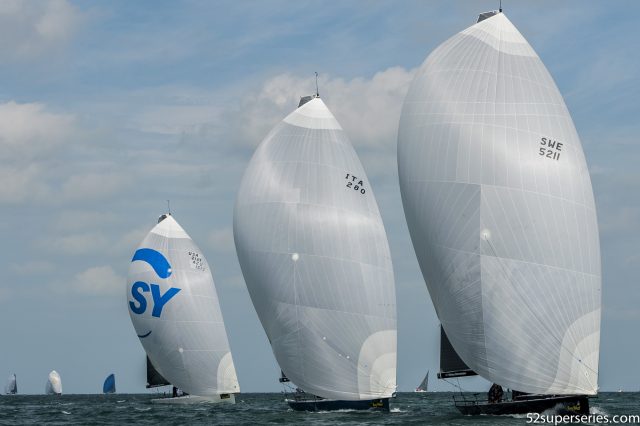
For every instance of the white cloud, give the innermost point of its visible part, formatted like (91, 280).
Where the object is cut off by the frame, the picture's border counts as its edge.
(29, 132)
(33, 267)
(92, 186)
(29, 29)
(29, 136)
(20, 183)
(77, 244)
(99, 280)
(367, 108)
(80, 220)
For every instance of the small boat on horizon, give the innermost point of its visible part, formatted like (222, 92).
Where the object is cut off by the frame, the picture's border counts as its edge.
(11, 387)
(109, 385)
(54, 384)
(424, 385)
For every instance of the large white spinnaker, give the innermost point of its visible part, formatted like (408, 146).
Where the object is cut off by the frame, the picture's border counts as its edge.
(316, 261)
(175, 311)
(499, 203)
(54, 384)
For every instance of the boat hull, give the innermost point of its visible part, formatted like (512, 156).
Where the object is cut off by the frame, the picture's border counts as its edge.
(333, 405)
(571, 404)
(194, 399)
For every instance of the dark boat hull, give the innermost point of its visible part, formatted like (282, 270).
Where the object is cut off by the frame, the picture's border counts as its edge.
(333, 405)
(570, 404)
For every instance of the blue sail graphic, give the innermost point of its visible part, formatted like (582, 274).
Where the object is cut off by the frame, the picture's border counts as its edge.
(155, 259)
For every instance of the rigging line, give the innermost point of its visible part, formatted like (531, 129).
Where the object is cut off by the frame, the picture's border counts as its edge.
(456, 385)
(506, 275)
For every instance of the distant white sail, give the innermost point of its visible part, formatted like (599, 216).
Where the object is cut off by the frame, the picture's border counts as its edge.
(424, 384)
(315, 257)
(499, 203)
(175, 311)
(12, 385)
(54, 384)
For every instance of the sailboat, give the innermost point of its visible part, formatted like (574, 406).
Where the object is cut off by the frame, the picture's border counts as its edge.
(500, 208)
(12, 385)
(175, 312)
(316, 261)
(54, 384)
(109, 385)
(424, 384)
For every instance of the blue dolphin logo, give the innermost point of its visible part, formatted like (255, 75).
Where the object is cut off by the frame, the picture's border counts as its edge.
(162, 268)
(155, 259)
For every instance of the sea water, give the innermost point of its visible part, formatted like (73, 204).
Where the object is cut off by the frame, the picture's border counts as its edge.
(259, 409)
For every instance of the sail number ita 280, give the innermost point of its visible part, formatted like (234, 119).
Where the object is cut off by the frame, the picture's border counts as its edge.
(550, 148)
(355, 183)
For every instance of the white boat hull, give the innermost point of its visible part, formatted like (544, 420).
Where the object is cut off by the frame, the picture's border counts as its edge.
(194, 399)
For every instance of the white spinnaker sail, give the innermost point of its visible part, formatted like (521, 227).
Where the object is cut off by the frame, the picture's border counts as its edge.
(11, 386)
(175, 311)
(500, 208)
(54, 384)
(315, 257)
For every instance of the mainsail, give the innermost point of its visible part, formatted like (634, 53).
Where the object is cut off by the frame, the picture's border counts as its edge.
(315, 258)
(12, 385)
(175, 311)
(450, 363)
(109, 385)
(499, 203)
(154, 379)
(54, 384)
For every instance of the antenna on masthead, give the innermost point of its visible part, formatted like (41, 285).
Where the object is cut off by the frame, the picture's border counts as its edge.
(500, 10)
(317, 92)
(168, 207)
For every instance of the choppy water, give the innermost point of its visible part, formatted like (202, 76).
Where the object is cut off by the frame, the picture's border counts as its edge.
(257, 409)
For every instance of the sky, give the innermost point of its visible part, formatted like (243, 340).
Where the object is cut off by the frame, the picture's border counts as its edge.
(108, 109)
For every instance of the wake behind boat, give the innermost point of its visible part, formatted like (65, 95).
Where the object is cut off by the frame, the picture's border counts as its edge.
(500, 208)
(316, 261)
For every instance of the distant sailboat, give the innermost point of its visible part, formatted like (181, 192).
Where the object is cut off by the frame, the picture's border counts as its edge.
(54, 384)
(12, 385)
(424, 385)
(499, 203)
(109, 385)
(315, 258)
(175, 311)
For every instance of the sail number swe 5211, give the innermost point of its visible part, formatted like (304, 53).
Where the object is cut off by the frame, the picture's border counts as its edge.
(550, 148)
(355, 183)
